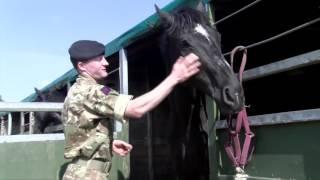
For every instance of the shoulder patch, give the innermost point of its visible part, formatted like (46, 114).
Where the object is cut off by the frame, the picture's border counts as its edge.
(105, 90)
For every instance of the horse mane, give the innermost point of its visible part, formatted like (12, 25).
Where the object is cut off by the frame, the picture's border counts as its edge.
(186, 18)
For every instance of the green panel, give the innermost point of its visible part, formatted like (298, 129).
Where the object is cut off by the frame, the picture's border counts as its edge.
(31, 160)
(213, 115)
(42, 159)
(121, 165)
(288, 151)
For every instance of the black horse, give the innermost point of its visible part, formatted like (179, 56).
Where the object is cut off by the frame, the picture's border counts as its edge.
(46, 119)
(188, 30)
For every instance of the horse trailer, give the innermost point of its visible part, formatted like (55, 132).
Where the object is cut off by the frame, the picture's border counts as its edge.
(185, 138)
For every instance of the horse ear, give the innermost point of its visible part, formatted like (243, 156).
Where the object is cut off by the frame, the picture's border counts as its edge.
(37, 91)
(39, 94)
(165, 17)
(200, 7)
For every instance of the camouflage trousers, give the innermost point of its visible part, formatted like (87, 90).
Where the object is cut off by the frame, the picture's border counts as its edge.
(86, 171)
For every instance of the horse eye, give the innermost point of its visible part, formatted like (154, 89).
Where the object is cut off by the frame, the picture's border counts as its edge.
(185, 51)
(185, 44)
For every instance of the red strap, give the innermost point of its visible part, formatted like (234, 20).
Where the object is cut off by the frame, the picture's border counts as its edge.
(239, 157)
(230, 153)
(243, 61)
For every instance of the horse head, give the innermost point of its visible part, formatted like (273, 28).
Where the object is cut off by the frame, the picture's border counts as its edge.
(45, 119)
(188, 30)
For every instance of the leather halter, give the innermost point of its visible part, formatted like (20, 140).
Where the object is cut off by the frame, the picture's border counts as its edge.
(239, 157)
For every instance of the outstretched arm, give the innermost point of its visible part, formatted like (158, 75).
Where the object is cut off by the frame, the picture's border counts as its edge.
(183, 69)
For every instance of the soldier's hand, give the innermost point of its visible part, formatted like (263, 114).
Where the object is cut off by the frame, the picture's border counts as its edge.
(185, 67)
(121, 148)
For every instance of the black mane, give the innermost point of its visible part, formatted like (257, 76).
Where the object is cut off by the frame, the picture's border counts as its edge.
(185, 19)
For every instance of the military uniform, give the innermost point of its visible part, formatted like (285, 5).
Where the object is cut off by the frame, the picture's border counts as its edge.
(88, 113)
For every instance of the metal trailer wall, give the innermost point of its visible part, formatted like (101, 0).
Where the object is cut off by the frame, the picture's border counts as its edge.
(40, 157)
(279, 81)
(283, 151)
(31, 157)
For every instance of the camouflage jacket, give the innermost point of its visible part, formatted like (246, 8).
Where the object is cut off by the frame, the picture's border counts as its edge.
(88, 114)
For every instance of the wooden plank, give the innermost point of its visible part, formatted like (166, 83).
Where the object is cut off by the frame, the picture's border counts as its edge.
(30, 106)
(279, 118)
(233, 177)
(295, 62)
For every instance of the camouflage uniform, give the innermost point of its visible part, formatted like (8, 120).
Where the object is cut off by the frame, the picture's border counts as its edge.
(88, 113)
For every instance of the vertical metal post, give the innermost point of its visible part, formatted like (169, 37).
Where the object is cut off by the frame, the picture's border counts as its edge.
(123, 72)
(9, 124)
(3, 126)
(31, 122)
(22, 123)
(213, 116)
(124, 89)
(123, 78)
(68, 86)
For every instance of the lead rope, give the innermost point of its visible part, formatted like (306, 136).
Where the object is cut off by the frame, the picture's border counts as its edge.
(239, 157)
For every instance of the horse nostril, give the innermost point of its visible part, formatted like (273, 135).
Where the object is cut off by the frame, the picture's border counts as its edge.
(227, 96)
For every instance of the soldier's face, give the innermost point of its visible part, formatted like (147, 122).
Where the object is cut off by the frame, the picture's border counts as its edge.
(96, 68)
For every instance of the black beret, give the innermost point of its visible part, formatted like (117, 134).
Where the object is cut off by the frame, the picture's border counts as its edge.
(86, 49)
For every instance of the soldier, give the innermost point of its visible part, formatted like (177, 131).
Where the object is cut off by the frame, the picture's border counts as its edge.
(90, 107)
